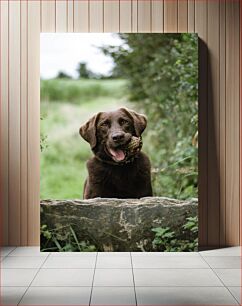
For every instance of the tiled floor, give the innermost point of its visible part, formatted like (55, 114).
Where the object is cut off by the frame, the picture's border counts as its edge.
(29, 277)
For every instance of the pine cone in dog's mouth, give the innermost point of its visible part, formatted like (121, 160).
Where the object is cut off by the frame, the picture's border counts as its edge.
(134, 146)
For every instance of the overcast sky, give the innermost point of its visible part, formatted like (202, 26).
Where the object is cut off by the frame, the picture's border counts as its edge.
(62, 52)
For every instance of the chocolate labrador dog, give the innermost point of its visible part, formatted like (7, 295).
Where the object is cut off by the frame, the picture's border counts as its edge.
(118, 169)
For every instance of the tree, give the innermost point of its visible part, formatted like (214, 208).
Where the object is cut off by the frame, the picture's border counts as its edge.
(83, 72)
(63, 75)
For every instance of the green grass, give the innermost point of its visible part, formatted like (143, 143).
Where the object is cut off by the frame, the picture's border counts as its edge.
(63, 160)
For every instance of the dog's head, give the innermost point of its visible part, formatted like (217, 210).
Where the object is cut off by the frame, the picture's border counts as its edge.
(109, 132)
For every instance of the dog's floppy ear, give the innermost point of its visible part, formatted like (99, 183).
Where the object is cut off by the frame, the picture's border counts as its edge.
(140, 121)
(88, 130)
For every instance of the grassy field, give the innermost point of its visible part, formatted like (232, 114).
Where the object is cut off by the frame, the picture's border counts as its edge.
(64, 156)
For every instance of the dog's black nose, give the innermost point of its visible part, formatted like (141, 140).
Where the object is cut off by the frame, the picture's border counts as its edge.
(117, 136)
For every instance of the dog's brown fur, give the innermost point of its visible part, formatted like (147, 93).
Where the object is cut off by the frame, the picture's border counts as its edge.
(109, 178)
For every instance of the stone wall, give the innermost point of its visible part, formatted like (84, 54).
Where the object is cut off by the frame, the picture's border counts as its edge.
(118, 224)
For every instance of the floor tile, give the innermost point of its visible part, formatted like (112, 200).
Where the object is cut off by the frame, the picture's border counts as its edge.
(230, 277)
(113, 277)
(231, 251)
(236, 292)
(57, 296)
(113, 254)
(17, 277)
(113, 262)
(73, 254)
(4, 251)
(11, 295)
(28, 251)
(184, 296)
(113, 296)
(169, 262)
(64, 277)
(23, 262)
(162, 254)
(176, 277)
(70, 262)
(232, 262)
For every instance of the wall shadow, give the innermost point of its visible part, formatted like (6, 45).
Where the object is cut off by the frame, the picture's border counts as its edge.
(208, 153)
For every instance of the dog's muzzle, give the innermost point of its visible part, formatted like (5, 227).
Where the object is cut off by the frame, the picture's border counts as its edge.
(126, 153)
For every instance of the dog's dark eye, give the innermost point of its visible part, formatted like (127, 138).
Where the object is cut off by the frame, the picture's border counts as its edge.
(104, 123)
(123, 121)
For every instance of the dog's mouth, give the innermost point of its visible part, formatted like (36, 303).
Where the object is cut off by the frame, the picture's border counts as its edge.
(126, 151)
(117, 154)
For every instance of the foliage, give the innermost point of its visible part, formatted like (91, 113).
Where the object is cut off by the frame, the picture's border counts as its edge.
(63, 239)
(43, 144)
(43, 139)
(79, 91)
(162, 74)
(165, 240)
(63, 75)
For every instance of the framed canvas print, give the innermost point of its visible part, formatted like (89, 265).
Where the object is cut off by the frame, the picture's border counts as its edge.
(119, 142)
